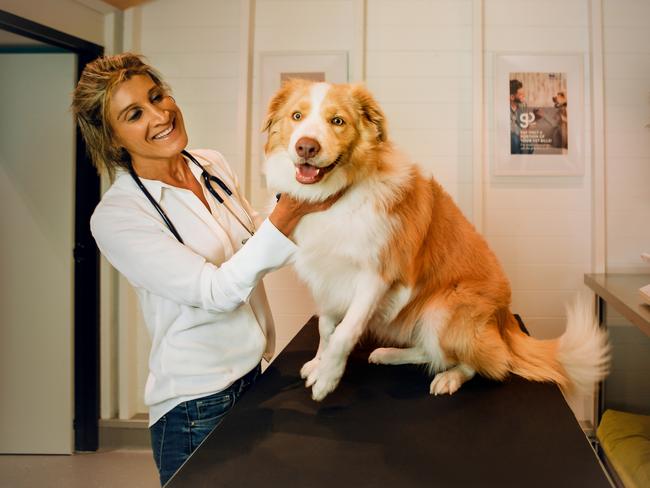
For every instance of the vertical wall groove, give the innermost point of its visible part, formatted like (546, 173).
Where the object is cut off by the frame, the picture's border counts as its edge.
(478, 114)
(246, 49)
(599, 209)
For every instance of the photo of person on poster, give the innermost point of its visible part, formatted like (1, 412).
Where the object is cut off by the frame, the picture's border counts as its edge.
(517, 115)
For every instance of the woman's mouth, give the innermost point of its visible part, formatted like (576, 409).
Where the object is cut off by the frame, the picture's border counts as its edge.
(308, 174)
(165, 133)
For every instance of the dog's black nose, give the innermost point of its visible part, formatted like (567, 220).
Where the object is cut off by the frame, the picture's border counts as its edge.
(307, 148)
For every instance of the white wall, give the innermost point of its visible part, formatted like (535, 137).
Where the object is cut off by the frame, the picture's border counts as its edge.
(418, 61)
(419, 66)
(627, 139)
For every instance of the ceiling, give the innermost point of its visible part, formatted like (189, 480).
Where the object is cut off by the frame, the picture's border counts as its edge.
(124, 4)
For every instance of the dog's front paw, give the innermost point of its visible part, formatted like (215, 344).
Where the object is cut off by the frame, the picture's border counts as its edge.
(324, 379)
(323, 387)
(309, 367)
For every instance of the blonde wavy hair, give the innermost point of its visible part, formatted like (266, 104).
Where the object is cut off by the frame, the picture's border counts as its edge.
(90, 102)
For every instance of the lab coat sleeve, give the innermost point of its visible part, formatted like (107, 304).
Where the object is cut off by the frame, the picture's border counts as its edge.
(150, 257)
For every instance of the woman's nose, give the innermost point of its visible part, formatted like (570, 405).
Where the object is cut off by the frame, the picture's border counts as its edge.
(160, 114)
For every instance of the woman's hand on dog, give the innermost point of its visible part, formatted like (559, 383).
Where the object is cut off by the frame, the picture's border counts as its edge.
(288, 211)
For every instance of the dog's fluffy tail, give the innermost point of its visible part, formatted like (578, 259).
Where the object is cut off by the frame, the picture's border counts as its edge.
(576, 360)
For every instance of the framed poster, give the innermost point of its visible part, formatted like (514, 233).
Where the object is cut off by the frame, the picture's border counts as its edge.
(539, 111)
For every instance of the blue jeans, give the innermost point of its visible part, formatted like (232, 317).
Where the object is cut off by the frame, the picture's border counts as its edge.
(180, 431)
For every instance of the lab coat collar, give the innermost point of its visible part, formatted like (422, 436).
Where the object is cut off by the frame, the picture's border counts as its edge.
(155, 187)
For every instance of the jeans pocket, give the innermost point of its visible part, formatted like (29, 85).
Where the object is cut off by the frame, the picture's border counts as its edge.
(212, 408)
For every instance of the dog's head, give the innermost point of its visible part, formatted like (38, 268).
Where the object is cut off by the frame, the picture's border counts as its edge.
(321, 137)
(560, 99)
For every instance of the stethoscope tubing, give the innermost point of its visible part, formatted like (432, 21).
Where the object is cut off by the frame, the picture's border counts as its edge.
(207, 178)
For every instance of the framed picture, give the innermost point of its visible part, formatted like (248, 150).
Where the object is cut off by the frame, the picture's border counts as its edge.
(539, 112)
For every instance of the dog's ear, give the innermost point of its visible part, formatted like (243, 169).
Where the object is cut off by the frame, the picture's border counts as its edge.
(278, 100)
(370, 111)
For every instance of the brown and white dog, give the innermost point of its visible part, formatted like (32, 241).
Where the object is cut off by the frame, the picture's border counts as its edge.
(394, 256)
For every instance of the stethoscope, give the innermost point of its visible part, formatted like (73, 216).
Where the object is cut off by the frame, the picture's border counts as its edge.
(207, 179)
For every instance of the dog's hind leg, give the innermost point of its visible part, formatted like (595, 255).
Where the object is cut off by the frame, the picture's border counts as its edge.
(449, 381)
(394, 355)
(326, 325)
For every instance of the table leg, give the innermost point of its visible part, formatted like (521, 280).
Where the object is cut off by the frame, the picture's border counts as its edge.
(599, 404)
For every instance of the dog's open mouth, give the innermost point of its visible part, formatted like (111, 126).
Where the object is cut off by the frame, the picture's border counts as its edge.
(308, 174)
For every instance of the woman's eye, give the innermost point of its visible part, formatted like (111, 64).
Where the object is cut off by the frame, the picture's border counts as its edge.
(337, 121)
(296, 116)
(134, 115)
(157, 98)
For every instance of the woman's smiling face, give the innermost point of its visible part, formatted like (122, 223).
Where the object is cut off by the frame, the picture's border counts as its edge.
(145, 120)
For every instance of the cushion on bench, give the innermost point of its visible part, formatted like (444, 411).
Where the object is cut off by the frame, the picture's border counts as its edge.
(625, 438)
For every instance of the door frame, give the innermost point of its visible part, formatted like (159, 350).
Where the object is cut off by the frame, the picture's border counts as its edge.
(85, 252)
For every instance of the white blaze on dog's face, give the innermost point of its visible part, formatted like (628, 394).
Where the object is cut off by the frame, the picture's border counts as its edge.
(316, 133)
(312, 161)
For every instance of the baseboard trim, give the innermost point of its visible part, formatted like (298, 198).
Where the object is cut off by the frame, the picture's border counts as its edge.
(130, 433)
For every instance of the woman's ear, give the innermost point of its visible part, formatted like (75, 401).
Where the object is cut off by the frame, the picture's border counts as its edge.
(370, 111)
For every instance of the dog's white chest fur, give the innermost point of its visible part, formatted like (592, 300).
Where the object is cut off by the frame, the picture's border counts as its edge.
(338, 247)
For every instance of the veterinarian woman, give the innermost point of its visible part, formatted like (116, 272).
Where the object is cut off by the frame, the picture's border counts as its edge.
(175, 224)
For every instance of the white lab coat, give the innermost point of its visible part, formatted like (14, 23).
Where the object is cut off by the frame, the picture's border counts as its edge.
(203, 302)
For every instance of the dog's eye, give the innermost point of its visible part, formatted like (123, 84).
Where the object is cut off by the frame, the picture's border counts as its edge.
(296, 116)
(337, 121)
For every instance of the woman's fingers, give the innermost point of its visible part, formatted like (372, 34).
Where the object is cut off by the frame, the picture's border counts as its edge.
(309, 207)
(288, 211)
(333, 199)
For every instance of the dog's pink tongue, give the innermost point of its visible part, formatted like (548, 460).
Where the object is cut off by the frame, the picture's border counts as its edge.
(306, 173)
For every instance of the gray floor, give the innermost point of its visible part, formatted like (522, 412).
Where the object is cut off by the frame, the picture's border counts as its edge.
(123, 468)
